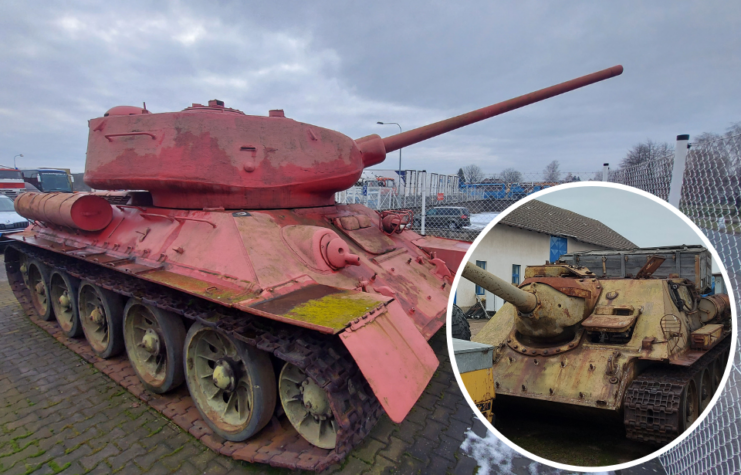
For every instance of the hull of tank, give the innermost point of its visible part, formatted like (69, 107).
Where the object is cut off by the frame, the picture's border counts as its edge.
(383, 302)
(591, 377)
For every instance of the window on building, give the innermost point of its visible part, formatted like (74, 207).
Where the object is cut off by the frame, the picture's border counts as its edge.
(516, 274)
(480, 290)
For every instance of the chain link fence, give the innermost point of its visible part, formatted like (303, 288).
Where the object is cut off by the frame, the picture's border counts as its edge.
(653, 176)
(711, 198)
(452, 209)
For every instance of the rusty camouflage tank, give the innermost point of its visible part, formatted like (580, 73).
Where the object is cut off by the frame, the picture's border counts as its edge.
(651, 350)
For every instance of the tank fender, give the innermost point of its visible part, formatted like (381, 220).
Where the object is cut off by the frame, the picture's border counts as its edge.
(393, 356)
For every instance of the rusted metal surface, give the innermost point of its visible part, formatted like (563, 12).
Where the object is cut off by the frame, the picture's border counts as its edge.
(652, 265)
(589, 343)
(450, 251)
(211, 156)
(656, 405)
(82, 211)
(524, 301)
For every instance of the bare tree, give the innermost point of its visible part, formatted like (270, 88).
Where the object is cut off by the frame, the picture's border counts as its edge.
(473, 174)
(551, 172)
(644, 152)
(510, 175)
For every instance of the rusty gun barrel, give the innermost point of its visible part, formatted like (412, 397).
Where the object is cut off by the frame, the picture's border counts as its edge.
(524, 301)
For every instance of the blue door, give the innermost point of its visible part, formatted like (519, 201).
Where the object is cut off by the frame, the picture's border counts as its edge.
(558, 248)
(480, 290)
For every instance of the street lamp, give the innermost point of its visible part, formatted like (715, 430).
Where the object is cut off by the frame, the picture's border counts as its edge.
(400, 131)
(14, 165)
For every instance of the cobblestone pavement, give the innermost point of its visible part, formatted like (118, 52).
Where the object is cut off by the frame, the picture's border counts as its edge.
(58, 414)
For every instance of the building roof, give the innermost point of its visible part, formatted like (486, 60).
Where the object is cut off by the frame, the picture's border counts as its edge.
(544, 218)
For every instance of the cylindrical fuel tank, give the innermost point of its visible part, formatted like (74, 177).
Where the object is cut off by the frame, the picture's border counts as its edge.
(713, 305)
(81, 211)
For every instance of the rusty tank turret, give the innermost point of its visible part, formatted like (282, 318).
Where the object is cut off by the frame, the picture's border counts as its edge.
(648, 349)
(232, 269)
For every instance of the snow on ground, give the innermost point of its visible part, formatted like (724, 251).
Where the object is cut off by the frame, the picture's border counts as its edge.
(491, 454)
(480, 220)
(494, 457)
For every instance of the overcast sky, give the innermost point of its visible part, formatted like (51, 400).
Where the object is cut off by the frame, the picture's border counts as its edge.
(642, 221)
(347, 65)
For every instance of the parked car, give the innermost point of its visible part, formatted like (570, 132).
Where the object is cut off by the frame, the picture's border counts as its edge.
(10, 221)
(451, 217)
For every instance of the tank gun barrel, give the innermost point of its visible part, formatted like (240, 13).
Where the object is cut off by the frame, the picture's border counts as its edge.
(524, 301)
(404, 139)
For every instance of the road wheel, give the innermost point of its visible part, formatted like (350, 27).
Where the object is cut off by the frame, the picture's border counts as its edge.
(38, 284)
(308, 407)
(718, 370)
(460, 327)
(101, 316)
(154, 342)
(706, 388)
(690, 406)
(232, 384)
(63, 294)
(452, 226)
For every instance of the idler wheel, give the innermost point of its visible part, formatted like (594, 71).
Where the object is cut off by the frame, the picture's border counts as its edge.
(154, 342)
(232, 384)
(101, 316)
(63, 294)
(690, 408)
(38, 284)
(706, 388)
(308, 407)
(718, 370)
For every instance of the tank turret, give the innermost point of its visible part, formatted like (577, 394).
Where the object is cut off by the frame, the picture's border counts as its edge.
(211, 156)
(549, 309)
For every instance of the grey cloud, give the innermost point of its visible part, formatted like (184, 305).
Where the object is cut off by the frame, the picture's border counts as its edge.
(346, 65)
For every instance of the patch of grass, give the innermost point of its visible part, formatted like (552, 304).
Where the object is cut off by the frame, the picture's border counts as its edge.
(72, 449)
(30, 402)
(15, 447)
(52, 404)
(32, 468)
(37, 454)
(56, 468)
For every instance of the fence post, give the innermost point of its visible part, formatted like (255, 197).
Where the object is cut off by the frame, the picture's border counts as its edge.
(605, 172)
(680, 160)
(424, 202)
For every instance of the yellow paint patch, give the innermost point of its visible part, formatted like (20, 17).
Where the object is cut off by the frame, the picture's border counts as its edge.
(333, 311)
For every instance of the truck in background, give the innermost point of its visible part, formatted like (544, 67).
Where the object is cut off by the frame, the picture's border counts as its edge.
(11, 182)
(49, 179)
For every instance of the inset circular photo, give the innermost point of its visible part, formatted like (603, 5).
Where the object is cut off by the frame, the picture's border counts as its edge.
(591, 326)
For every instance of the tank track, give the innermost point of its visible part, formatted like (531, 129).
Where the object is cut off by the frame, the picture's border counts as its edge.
(321, 357)
(653, 401)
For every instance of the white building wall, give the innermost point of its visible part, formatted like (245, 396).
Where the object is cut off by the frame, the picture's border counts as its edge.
(505, 246)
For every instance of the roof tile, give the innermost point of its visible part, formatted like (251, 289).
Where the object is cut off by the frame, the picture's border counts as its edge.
(544, 218)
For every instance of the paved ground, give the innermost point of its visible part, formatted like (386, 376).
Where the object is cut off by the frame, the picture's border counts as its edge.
(58, 414)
